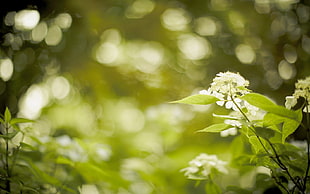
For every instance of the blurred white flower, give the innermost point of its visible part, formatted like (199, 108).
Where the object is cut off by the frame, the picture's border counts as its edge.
(231, 131)
(234, 123)
(203, 165)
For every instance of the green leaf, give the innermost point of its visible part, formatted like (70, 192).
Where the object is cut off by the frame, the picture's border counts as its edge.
(258, 100)
(272, 119)
(289, 126)
(213, 188)
(25, 145)
(256, 144)
(200, 99)
(266, 104)
(264, 132)
(238, 190)
(63, 160)
(32, 190)
(7, 115)
(215, 128)
(20, 120)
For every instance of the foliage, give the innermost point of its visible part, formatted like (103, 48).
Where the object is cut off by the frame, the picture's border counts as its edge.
(95, 77)
(267, 133)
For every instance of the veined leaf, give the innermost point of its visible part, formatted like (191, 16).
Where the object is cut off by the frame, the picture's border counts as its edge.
(264, 132)
(256, 144)
(200, 99)
(266, 104)
(258, 100)
(215, 128)
(289, 126)
(272, 119)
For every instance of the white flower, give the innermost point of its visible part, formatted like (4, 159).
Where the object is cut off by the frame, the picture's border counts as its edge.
(302, 89)
(231, 131)
(203, 165)
(229, 84)
(234, 123)
(290, 101)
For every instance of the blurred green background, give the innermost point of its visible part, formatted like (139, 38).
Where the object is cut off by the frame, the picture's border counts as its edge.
(97, 76)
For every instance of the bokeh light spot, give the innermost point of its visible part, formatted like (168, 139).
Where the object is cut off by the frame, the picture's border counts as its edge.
(60, 87)
(33, 101)
(175, 19)
(303, 13)
(9, 19)
(39, 32)
(237, 22)
(290, 53)
(306, 44)
(206, 26)
(131, 119)
(26, 19)
(6, 69)
(107, 53)
(286, 70)
(194, 47)
(273, 79)
(139, 8)
(63, 20)
(245, 53)
(53, 36)
(262, 6)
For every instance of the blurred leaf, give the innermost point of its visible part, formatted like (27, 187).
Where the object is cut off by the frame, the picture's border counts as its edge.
(46, 178)
(7, 115)
(20, 120)
(32, 190)
(237, 147)
(9, 135)
(200, 99)
(213, 188)
(63, 160)
(25, 145)
(237, 190)
(215, 128)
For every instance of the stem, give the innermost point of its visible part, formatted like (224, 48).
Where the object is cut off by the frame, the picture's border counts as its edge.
(308, 148)
(15, 155)
(276, 159)
(8, 174)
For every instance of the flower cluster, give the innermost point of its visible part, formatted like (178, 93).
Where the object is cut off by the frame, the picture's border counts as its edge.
(201, 167)
(302, 90)
(227, 87)
(229, 84)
